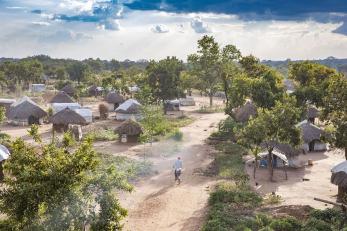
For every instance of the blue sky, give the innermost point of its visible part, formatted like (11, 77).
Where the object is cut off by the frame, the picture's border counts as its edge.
(137, 29)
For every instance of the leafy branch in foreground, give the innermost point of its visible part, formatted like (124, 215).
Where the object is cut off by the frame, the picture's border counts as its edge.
(51, 188)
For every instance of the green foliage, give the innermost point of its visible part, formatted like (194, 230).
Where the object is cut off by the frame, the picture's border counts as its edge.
(78, 71)
(271, 199)
(314, 224)
(176, 135)
(228, 129)
(34, 133)
(2, 114)
(103, 135)
(68, 139)
(49, 188)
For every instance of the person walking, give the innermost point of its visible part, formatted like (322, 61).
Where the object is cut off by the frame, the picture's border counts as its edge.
(178, 169)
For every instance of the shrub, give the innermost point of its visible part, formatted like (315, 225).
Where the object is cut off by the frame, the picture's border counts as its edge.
(314, 224)
(103, 135)
(177, 135)
(285, 224)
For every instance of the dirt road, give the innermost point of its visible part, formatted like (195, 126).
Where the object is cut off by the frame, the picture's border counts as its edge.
(157, 202)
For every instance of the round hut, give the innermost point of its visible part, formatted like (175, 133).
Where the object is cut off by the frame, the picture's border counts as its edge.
(339, 178)
(26, 111)
(114, 100)
(69, 89)
(312, 114)
(244, 113)
(129, 109)
(61, 97)
(129, 131)
(95, 90)
(312, 136)
(62, 119)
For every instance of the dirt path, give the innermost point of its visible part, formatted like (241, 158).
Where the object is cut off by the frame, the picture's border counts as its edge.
(157, 203)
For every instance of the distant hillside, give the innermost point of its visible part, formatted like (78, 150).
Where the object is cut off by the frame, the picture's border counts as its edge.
(282, 66)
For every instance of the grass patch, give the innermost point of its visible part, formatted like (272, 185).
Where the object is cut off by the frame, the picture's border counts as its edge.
(271, 199)
(130, 167)
(103, 135)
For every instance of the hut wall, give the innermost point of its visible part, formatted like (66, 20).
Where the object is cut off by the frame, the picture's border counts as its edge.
(319, 146)
(122, 116)
(22, 122)
(60, 128)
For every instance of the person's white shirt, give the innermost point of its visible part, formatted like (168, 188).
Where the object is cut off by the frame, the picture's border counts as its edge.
(178, 164)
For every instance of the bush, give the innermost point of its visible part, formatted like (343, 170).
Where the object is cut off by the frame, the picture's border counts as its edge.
(227, 129)
(103, 135)
(314, 224)
(177, 135)
(285, 224)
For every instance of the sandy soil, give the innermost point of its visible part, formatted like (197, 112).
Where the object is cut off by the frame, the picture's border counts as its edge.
(295, 190)
(157, 203)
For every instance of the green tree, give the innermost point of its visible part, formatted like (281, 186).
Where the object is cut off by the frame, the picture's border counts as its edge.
(61, 73)
(78, 71)
(51, 188)
(335, 110)
(164, 78)
(273, 126)
(188, 82)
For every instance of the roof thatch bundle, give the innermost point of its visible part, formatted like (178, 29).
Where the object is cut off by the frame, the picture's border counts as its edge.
(131, 106)
(68, 116)
(25, 108)
(69, 89)
(312, 112)
(242, 114)
(310, 131)
(61, 97)
(130, 128)
(114, 97)
(339, 175)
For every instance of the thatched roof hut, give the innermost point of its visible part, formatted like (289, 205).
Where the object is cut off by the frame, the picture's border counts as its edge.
(26, 110)
(114, 98)
(130, 129)
(66, 117)
(69, 89)
(95, 90)
(339, 174)
(310, 132)
(6, 103)
(312, 113)
(61, 97)
(285, 149)
(131, 106)
(243, 114)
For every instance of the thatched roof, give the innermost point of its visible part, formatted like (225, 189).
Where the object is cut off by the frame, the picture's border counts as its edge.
(114, 97)
(69, 89)
(339, 174)
(310, 131)
(67, 116)
(242, 114)
(131, 106)
(129, 127)
(285, 149)
(312, 112)
(24, 108)
(61, 97)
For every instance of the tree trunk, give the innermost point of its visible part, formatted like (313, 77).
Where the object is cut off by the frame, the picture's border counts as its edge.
(346, 153)
(1, 172)
(211, 99)
(255, 167)
(270, 165)
(285, 170)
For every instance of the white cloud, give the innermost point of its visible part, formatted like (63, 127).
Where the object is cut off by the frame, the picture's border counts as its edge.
(159, 29)
(41, 23)
(110, 24)
(199, 26)
(78, 5)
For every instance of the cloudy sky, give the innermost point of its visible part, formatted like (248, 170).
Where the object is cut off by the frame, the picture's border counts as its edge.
(154, 29)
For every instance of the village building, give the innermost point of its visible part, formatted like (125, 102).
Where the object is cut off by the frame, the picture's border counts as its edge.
(312, 136)
(66, 117)
(114, 100)
(128, 110)
(6, 103)
(245, 112)
(70, 90)
(129, 131)
(62, 97)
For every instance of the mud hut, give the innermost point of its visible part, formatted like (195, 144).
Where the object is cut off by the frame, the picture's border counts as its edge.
(64, 118)
(312, 136)
(129, 131)
(95, 91)
(61, 97)
(6, 103)
(188, 101)
(129, 109)
(26, 111)
(172, 105)
(312, 114)
(70, 90)
(244, 113)
(114, 100)
(339, 178)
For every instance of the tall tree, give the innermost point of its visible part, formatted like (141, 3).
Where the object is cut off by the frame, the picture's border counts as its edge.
(77, 71)
(164, 78)
(335, 110)
(276, 125)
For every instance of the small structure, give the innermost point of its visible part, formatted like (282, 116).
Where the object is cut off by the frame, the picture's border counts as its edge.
(6, 103)
(129, 131)
(66, 117)
(244, 113)
(38, 87)
(312, 136)
(339, 178)
(57, 107)
(95, 91)
(26, 111)
(172, 105)
(62, 97)
(4, 155)
(312, 114)
(114, 100)
(69, 89)
(188, 101)
(129, 109)
(86, 113)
